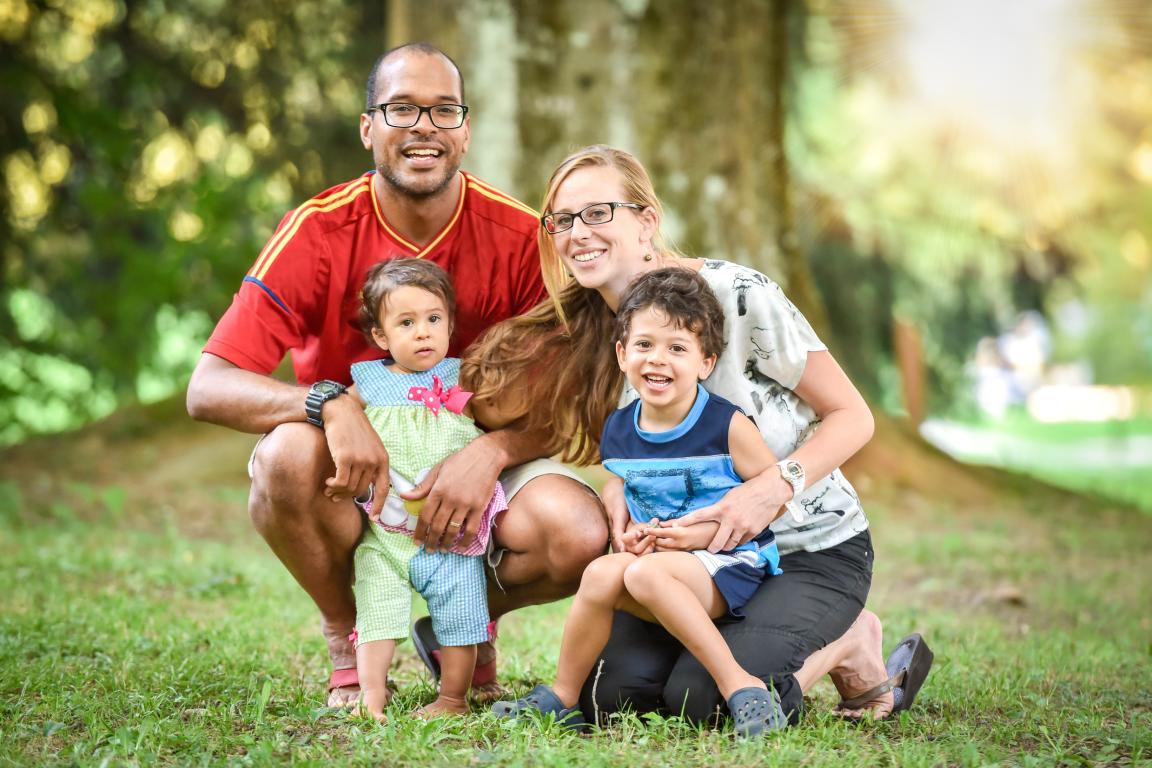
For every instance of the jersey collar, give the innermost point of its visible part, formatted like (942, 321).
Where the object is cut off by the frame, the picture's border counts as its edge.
(418, 251)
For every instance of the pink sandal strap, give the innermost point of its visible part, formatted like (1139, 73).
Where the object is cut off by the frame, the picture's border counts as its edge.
(343, 678)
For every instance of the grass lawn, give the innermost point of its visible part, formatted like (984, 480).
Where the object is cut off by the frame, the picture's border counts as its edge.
(1109, 458)
(144, 637)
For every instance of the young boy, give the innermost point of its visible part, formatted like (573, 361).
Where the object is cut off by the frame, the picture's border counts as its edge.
(676, 449)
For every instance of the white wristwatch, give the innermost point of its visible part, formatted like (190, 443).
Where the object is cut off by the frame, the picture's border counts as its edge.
(793, 473)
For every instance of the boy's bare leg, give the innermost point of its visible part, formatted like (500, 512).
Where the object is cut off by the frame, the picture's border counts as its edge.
(678, 591)
(553, 528)
(456, 665)
(372, 663)
(589, 623)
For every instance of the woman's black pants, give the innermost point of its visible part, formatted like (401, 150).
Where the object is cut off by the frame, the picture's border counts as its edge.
(645, 669)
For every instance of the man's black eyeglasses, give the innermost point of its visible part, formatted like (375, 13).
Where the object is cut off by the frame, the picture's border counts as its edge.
(597, 213)
(400, 115)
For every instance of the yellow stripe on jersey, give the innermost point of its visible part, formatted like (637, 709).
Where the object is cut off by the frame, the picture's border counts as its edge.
(455, 217)
(495, 194)
(384, 223)
(288, 231)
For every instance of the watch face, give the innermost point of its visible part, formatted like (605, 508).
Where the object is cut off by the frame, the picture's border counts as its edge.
(794, 470)
(325, 387)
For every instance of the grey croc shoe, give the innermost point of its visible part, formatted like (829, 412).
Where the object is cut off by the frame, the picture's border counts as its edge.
(542, 699)
(756, 711)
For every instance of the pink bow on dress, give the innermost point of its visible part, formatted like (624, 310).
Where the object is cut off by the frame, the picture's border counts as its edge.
(454, 399)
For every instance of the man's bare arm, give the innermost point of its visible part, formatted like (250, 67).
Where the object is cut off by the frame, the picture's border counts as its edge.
(221, 393)
(458, 490)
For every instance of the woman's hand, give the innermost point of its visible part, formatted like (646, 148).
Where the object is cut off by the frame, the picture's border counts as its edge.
(745, 511)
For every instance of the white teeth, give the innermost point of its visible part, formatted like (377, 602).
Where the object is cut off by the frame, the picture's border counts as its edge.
(587, 256)
(422, 153)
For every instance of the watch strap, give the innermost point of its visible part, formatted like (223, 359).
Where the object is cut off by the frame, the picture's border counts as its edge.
(318, 394)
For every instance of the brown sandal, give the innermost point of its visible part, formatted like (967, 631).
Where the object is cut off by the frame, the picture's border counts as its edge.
(908, 666)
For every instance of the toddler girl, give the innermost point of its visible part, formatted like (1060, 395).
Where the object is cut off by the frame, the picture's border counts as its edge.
(421, 414)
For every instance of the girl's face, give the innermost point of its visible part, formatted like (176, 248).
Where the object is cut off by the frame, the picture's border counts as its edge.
(414, 328)
(663, 363)
(604, 257)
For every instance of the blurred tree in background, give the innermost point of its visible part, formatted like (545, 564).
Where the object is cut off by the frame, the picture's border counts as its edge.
(149, 148)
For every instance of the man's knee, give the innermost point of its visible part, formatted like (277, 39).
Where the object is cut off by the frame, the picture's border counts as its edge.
(578, 539)
(561, 519)
(288, 470)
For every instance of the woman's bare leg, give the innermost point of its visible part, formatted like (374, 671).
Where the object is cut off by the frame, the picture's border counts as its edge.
(855, 662)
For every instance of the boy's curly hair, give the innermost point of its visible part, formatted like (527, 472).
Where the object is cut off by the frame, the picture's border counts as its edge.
(684, 297)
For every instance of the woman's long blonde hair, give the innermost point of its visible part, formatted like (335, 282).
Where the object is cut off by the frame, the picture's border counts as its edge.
(559, 359)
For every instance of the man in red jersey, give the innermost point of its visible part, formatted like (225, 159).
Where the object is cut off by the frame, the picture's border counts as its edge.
(318, 449)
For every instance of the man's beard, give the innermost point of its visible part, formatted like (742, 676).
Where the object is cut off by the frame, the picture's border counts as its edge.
(405, 188)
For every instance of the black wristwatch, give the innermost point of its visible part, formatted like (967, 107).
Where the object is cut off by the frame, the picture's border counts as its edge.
(318, 394)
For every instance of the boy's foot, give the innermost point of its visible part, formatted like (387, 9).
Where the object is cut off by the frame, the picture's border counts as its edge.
(343, 684)
(544, 700)
(755, 712)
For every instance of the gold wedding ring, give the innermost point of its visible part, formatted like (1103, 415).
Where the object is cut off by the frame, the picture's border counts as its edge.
(453, 524)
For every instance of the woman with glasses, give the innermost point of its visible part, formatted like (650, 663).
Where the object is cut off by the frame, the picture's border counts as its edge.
(601, 229)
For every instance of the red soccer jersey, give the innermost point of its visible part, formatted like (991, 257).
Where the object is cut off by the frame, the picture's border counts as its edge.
(302, 294)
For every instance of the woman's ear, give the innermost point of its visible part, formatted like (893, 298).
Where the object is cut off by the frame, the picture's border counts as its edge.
(649, 225)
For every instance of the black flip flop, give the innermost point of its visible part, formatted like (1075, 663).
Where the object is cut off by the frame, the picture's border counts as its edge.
(425, 642)
(907, 666)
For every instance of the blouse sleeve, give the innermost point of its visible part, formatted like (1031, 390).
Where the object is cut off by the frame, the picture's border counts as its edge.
(765, 327)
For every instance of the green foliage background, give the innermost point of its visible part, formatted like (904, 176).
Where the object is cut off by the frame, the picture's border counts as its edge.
(149, 148)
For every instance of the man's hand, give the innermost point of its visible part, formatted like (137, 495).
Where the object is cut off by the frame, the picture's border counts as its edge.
(456, 493)
(357, 452)
(612, 496)
(672, 536)
(745, 511)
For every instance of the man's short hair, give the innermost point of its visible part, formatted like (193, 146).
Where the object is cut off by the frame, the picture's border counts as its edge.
(425, 48)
